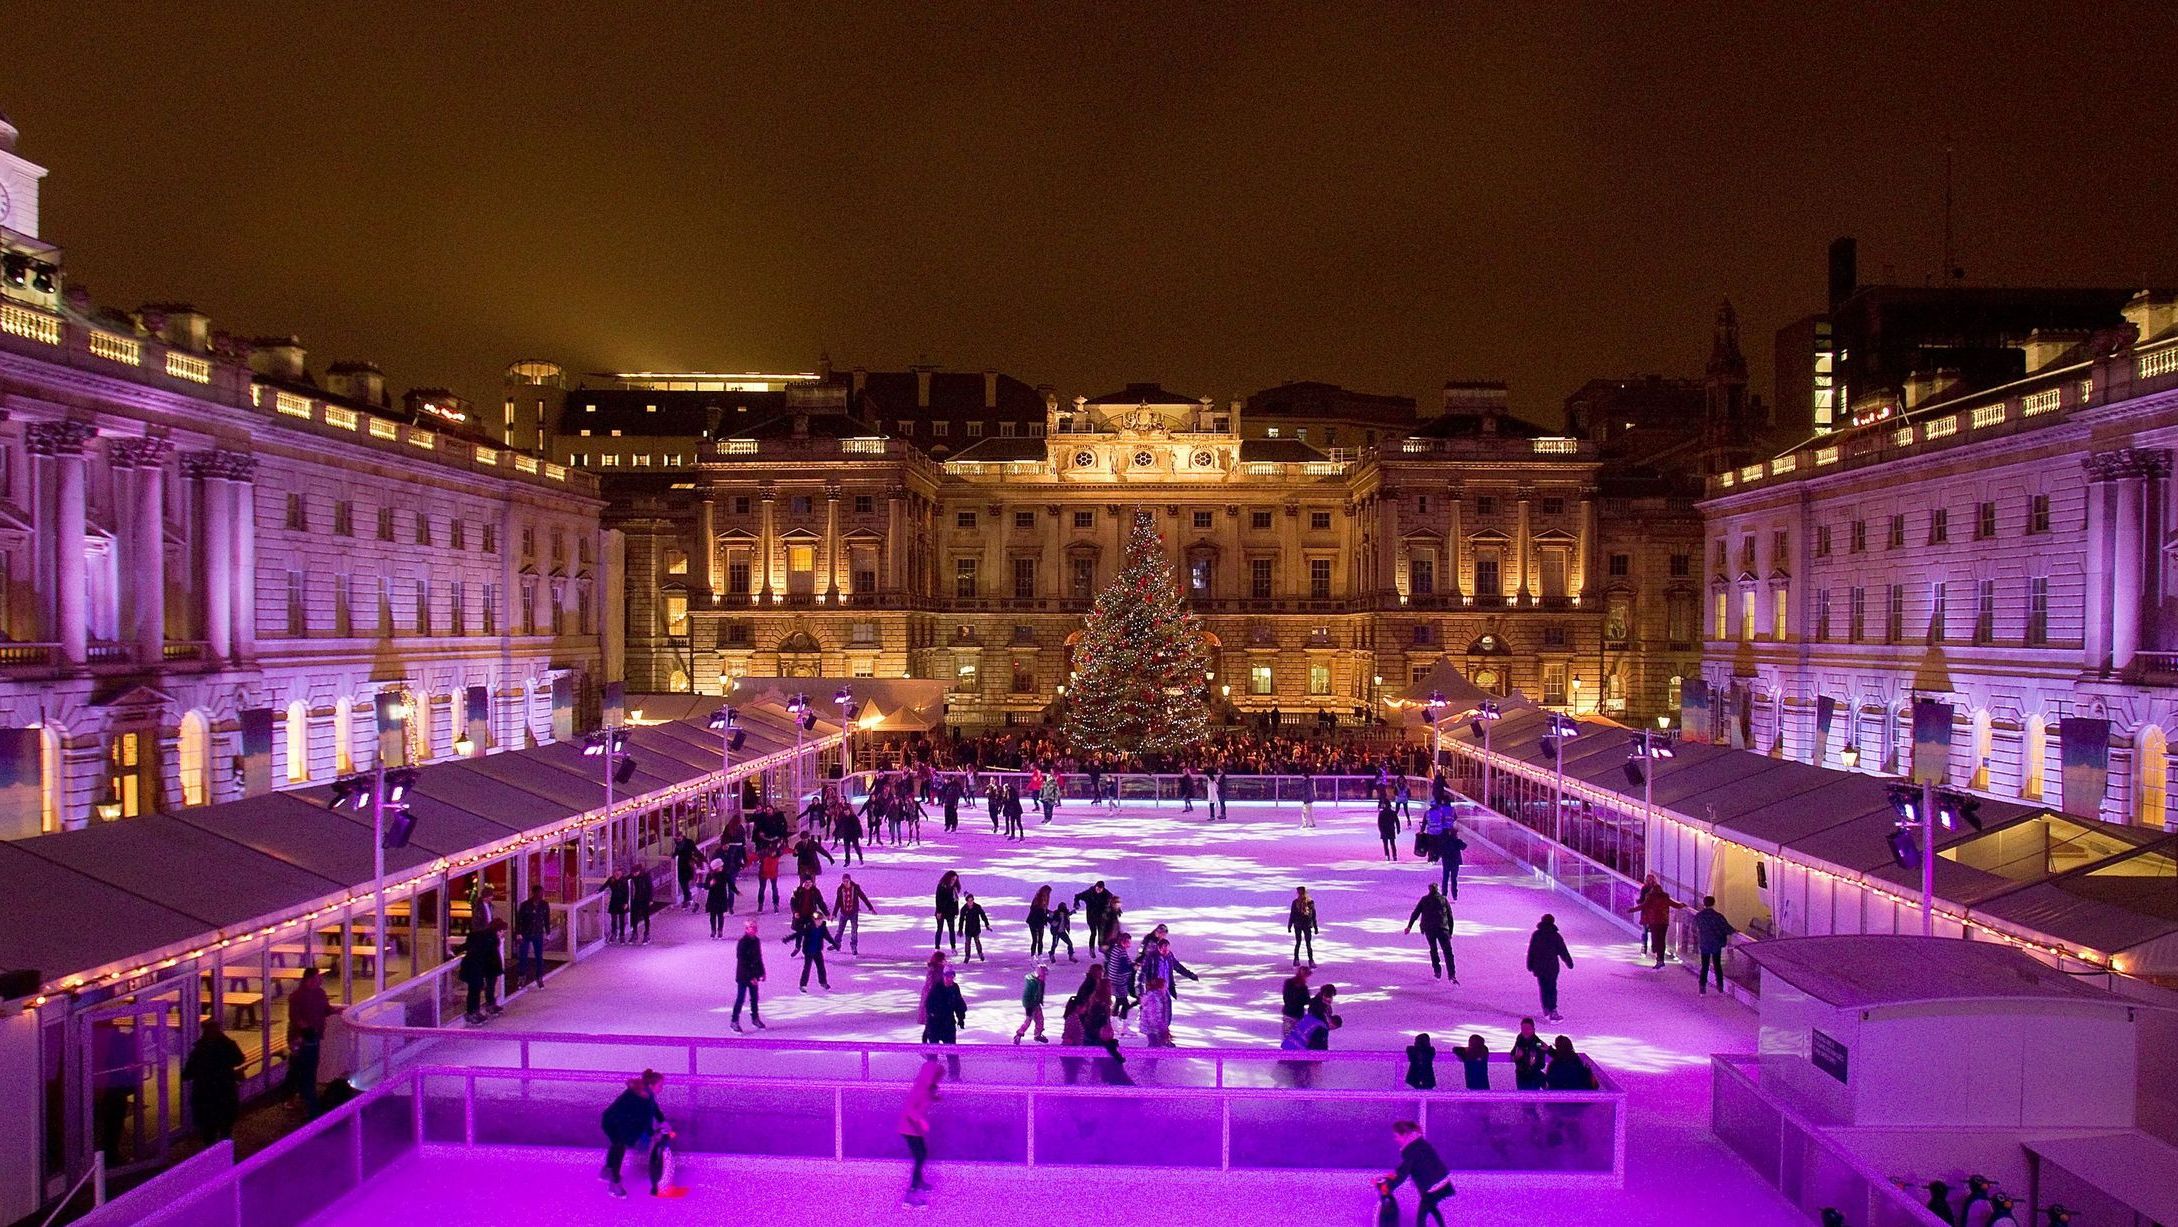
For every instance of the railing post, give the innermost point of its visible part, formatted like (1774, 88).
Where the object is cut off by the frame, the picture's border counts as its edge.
(1225, 1133)
(839, 1123)
(1031, 1152)
(468, 1110)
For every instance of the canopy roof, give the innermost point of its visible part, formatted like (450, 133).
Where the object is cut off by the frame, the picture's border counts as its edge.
(1461, 696)
(2134, 1169)
(143, 888)
(1867, 971)
(2084, 884)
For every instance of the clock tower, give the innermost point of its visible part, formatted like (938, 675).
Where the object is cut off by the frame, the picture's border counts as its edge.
(19, 178)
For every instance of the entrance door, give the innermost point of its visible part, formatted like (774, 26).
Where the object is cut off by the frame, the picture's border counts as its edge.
(129, 1056)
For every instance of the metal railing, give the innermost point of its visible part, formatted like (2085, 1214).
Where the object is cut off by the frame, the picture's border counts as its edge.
(1572, 1138)
(1173, 788)
(1798, 1159)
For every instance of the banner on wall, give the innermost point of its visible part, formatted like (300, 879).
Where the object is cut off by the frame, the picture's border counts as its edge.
(479, 702)
(393, 720)
(256, 751)
(1694, 710)
(1931, 741)
(2084, 749)
(1826, 714)
(563, 708)
(1741, 732)
(22, 783)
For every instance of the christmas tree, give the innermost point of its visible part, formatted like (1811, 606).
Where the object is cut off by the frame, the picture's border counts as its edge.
(1138, 682)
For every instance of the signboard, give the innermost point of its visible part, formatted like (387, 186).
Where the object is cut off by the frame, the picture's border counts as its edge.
(2084, 749)
(1828, 1055)
(1826, 714)
(563, 708)
(22, 783)
(1931, 741)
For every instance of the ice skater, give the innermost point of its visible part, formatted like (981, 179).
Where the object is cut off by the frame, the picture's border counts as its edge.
(947, 911)
(1032, 1005)
(1434, 914)
(1039, 915)
(973, 921)
(1387, 825)
(915, 1127)
(1420, 1163)
(848, 903)
(1546, 951)
(1655, 907)
(1301, 922)
(748, 973)
(1059, 921)
(633, 1121)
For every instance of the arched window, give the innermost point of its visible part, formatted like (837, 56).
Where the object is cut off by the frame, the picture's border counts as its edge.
(2032, 759)
(194, 752)
(1978, 766)
(53, 780)
(2151, 768)
(343, 735)
(298, 742)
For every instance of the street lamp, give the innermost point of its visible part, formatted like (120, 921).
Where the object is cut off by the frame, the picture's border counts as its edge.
(726, 722)
(610, 745)
(1647, 748)
(1926, 806)
(798, 708)
(1434, 706)
(1575, 705)
(1563, 728)
(844, 699)
(386, 795)
(1481, 723)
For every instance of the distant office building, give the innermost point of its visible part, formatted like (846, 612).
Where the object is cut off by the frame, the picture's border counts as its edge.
(2009, 550)
(1326, 415)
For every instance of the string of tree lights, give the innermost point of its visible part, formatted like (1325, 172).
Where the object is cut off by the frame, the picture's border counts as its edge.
(1139, 683)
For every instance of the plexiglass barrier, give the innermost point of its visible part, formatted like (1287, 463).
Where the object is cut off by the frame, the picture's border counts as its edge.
(1811, 1169)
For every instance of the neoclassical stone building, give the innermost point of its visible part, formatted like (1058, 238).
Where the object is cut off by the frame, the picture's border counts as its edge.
(213, 563)
(2009, 550)
(827, 538)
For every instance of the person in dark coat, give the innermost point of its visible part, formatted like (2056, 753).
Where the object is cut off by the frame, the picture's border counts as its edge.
(1546, 951)
(481, 967)
(1059, 923)
(1013, 813)
(1039, 915)
(685, 857)
(949, 796)
(1569, 1070)
(1451, 854)
(947, 911)
(1435, 916)
(213, 1071)
(1529, 1057)
(947, 1010)
(1301, 922)
(633, 1121)
(1387, 825)
(532, 923)
(641, 895)
(616, 905)
(748, 973)
(1093, 901)
(807, 851)
(847, 829)
(1712, 932)
(813, 938)
(1294, 997)
(1422, 1064)
(1475, 1061)
(718, 896)
(1419, 1162)
(973, 921)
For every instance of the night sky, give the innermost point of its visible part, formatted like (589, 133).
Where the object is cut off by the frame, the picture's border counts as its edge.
(1215, 197)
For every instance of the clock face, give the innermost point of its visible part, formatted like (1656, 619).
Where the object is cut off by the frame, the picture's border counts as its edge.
(1203, 460)
(1143, 459)
(1083, 460)
(5, 202)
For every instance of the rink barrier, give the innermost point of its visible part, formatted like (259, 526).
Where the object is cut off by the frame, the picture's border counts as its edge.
(1797, 1158)
(1571, 1139)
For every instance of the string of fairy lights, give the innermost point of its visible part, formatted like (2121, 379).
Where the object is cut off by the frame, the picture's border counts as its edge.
(575, 825)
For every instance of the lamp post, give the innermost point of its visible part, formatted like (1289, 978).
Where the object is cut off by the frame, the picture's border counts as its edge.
(1434, 705)
(1485, 719)
(1563, 728)
(610, 745)
(844, 699)
(387, 796)
(1641, 757)
(1923, 806)
(726, 722)
(798, 708)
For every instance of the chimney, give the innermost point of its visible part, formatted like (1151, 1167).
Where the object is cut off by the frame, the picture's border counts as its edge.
(860, 378)
(1844, 269)
(922, 386)
(1929, 383)
(2047, 346)
(279, 358)
(990, 389)
(358, 381)
(178, 324)
(2152, 313)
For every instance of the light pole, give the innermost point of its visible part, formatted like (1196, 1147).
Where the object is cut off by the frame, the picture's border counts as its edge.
(726, 722)
(1641, 757)
(1563, 728)
(798, 708)
(387, 796)
(610, 745)
(1924, 806)
(844, 699)
(1485, 719)
(1434, 705)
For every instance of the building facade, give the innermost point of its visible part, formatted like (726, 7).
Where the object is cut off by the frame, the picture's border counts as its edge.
(2008, 550)
(831, 540)
(213, 564)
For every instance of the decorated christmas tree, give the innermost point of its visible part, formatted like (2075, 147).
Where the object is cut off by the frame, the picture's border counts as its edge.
(1138, 666)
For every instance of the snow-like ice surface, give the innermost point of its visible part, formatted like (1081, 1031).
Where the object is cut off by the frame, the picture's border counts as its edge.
(1223, 890)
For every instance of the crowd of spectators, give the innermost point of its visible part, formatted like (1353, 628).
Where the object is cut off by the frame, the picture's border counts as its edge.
(1239, 752)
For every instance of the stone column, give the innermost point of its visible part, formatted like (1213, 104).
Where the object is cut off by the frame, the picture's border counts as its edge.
(2154, 467)
(896, 542)
(144, 548)
(830, 590)
(2102, 469)
(212, 545)
(1294, 565)
(1520, 544)
(242, 472)
(764, 544)
(1583, 549)
(1389, 546)
(1454, 578)
(705, 572)
(60, 446)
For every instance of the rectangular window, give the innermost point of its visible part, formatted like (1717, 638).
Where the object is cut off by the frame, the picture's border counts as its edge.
(1554, 636)
(1822, 615)
(800, 504)
(1822, 541)
(1422, 576)
(1008, 430)
(1618, 566)
(1894, 613)
(1198, 575)
(907, 428)
(1259, 578)
(1421, 504)
(1081, 579)
(344, 518)
(1985, 611)
(458, 535)
(1936, 596)
(676, 613)
(941, 429)
(1896, 538)
(423, 606)
(1985, 521)
(1780, 611)
(1747, 616)
(2038, 611)
(1319, 521)
(1724, 616)
(385, 523)
(491, 538)
(738, 634)
(1780, 547)
(1486, 581)
(1857, 615)
(864, 504)
(1024, 519)
(862, 633)
(1939, 526)
(1024, 579)
(1485, 505)
(1088, 519)
(423, 529)
(1319, 577)
(1747, 554)
(1553, 506)
(737, 577)
(1554, 683)
(1259, 679)
(975, 430)
(1682, 565)
(801, 559)
(1202, 519)
(1319, 679)
(1860, 537)
(457, 619)
(2038, 514)
(298, 514)
(298, 614)
(964, 519)
(529, 610)
(741, 504)
(964, 578)
(1259, 520)
(491, 609)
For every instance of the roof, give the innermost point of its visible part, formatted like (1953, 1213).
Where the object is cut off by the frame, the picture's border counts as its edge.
(954, 395)
(1870, 971)
(1278, 451)
(810, 425)
(2131, 1168)
(1002, 450)
(678, 414)
(1143, 394)
(1470, 426)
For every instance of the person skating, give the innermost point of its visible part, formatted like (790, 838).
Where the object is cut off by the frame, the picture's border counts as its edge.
(1059, 922)
(805, 905)
(685, 858)
(1217, 796)
(767, 875)
(1546, 952)
(994, 798)
(973, 921)
(1048, 795)
(1529, 1057)
(1569, 1070)
(1119, 975)
(481, 968)
(1308, 800)
(1032, 1005)
(1013, 814)
(1039, 915)
(848, 903)
(1712, 932)
(1114, 912)
(1093, 901)
(718, 896)
(1450, 851)
(1434, 913)
(1422, 1063)
(1156, 1012)
(1387, 825)
(807, 852)
(814, 937)
(947, 912)
(1655, 906)
(748, 974)
(847, 829)
(949, 796)
(642, 895)
(633, 1121)
(213, 1071)
(1419, 1163)
(532, 922)
(1475, 1060)
(1294, 996)
(616, 906)
(947, 1011)
(915, 1127)
(1301, 922)
(1158, 960)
